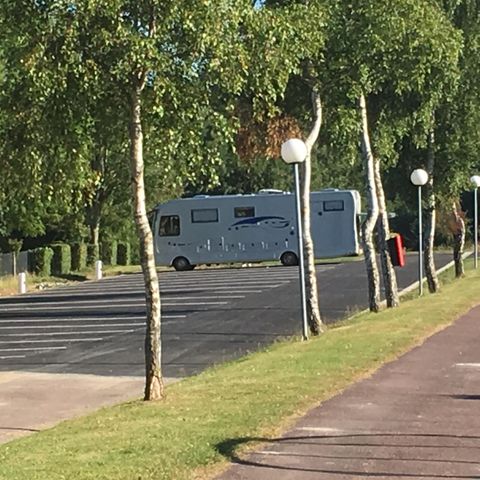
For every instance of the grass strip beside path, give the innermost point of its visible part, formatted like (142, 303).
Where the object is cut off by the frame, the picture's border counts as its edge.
(186, 435)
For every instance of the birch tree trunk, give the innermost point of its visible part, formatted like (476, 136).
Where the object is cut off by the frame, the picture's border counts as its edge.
(313, 311)
(430, 216)
(372, 212)
(154, 388)
(94, 210)
(458, 240)
(383, 232)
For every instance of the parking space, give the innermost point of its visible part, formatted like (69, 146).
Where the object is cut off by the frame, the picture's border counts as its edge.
(56, 330)
(208, 317)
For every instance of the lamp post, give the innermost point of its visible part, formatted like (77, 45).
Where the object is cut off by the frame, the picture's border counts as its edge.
(476, 183)
(419, 178)
(294, 152)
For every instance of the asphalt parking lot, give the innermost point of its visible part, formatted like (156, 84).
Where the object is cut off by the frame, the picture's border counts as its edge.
(208, 317)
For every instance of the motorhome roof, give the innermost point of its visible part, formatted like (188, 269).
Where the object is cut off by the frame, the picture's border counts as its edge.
(266, 192)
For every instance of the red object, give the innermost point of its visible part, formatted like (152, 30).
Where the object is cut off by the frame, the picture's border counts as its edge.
(396, 250)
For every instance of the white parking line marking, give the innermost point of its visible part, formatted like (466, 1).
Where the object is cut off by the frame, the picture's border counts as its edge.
(181, 304)
(12, 356)
(220, 282)
(81, 319)
(468, 365)
(112, 302)
(166, 284)
(73, 306)
(41, 327)
(31, 349)
(56, 334)
(96, 339)
(236, 290)
(131, 292)
(164, 290)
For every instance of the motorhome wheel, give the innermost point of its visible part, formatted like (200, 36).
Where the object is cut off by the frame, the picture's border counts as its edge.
(289, 259)
(182, 264)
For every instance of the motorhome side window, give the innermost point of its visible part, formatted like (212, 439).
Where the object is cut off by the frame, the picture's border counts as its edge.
(169, 226)
(244, 212)
(205, 215)
(333, 206)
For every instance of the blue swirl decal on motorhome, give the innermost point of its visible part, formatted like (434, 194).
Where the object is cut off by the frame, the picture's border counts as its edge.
(273, 222)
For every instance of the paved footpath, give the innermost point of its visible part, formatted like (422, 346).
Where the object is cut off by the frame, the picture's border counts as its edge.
(30, 402)
(415, 418)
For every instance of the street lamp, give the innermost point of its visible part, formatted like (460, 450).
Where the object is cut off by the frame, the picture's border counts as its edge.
(419, 177)
(476, 183)
(294, 151)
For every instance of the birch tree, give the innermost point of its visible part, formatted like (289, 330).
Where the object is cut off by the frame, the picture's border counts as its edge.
(289, 39)
(148, 56)
(370, 221)
(313, 309)
(373, 53)
(430, 218)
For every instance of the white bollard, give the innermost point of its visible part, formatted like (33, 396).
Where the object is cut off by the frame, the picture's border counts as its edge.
(98, 270)
(22, 282)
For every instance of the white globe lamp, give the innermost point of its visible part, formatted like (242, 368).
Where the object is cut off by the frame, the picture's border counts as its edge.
(475, 181)
(419, 177)
(294, 151)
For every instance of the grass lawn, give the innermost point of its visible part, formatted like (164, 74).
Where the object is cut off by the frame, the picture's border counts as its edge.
(191, 433)
(35, 283)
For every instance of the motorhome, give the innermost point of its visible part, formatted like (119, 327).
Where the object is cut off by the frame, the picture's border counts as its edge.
(257, 227)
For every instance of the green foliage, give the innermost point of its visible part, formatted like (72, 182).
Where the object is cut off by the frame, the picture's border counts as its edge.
(40, 261)
(457, 134)
(66, 74)
(14, 245)
(71, 71)
(93, 254)
(123, 253)
(62, 259)
(108, 252)
(79, 256)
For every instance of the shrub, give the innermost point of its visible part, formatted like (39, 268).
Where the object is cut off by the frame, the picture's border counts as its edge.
(108, 252)
(40, 261)
(93, 254)
(79, 256)
(123, 253)
(62, 259)
(135, 254)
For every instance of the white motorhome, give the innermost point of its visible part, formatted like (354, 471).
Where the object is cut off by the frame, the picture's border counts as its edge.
(252, 228)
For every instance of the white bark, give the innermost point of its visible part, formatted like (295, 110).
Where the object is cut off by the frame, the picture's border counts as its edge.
(313, 310)
(154, 388)
(430, 217)
(383, 232)
(372, 212)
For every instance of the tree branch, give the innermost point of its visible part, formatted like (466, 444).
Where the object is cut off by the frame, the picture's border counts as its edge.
(317, 115)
